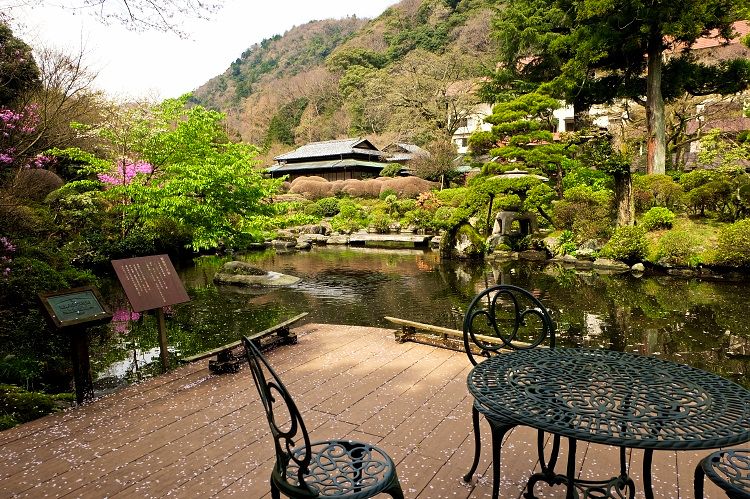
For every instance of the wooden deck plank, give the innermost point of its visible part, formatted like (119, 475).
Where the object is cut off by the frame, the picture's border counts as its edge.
(192, 434)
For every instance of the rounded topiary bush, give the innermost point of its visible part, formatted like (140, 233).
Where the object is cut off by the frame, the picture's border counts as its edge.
(733, 245)
(627, 244)
(442, 219)
(678, 248)
(328, 206)
(407, 187)
(657, 218)
(311, 187)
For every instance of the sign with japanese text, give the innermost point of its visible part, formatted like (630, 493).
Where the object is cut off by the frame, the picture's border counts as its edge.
(76, 306)
(150, 282)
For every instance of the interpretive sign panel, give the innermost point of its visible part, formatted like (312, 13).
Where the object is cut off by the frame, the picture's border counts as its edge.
(74, 306)
(150, 282)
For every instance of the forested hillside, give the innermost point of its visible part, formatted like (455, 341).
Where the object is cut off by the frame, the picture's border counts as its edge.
(390, 78)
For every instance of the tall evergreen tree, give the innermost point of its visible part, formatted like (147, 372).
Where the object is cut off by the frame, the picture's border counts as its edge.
(594, 51)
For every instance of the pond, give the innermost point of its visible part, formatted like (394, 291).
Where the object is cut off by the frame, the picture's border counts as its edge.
(692, 321)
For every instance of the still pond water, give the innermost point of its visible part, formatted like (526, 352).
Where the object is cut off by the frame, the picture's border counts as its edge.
(697, 322)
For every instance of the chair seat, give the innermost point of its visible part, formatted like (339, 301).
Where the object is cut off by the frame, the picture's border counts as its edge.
(730, 470)
(344, 468)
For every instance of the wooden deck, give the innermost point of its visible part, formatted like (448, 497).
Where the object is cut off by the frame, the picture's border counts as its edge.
(192, 434)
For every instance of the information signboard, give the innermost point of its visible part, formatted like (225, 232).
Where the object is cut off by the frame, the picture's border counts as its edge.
(150, 282)
(73, 307)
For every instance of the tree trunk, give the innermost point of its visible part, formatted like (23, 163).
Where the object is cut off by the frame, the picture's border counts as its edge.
(655, 106)
(624, 198)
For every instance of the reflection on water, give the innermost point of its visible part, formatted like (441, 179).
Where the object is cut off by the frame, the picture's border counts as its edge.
(687, 320)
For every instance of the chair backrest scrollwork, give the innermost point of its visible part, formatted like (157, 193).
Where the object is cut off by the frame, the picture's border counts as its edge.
(506, 317)
(284, 418)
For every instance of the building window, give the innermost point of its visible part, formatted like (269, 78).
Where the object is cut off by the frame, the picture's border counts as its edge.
(462, 123)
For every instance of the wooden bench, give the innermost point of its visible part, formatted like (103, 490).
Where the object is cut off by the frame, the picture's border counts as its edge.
(226, 361)
(435, 335)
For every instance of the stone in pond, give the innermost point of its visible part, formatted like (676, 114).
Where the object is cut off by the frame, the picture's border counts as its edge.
(244, 274)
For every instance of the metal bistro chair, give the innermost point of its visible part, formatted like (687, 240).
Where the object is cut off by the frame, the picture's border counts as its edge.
(516, 320)
(333, 468)
(729, 469)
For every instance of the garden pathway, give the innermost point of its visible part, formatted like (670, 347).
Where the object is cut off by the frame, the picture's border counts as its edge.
(192, 434)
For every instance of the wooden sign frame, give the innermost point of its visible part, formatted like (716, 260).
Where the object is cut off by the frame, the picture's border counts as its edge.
(75, 307)
(150, 282)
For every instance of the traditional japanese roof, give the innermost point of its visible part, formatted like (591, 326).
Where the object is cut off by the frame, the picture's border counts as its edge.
(332, 148)
(337, 164)
(399, 151)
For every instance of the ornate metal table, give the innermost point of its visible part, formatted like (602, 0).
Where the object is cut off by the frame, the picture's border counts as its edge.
(612, 398)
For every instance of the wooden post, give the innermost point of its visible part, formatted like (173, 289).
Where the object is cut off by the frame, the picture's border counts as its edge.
(163, 352)
(79, 345)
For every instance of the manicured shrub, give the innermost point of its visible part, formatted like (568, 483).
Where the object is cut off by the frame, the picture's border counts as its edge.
(656, 190)
(369, 188)
(677, 248)
(733, 245)
(657, 218)
(408, 187)
(452, 197)
(311, 178)
(337, 187)
(696, 178)
(628, 244)
(404, 205)
(586, 212)
(715, 195)
(418, 217)
(351, 217)
(328, 206)
(442, 217)
(310, 187)
(380, 221)
(392, 170)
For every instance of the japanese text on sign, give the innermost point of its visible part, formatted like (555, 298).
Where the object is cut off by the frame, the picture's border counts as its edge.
(150, 282)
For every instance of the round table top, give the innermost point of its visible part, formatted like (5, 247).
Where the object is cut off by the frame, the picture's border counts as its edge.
(614, 398)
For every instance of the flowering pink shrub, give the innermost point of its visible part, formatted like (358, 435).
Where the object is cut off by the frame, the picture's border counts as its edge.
(124, 172)
(40, 161)
(121, 319)
(12, 124)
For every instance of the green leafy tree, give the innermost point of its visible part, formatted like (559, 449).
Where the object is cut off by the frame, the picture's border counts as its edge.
(171, 162)
(593, 51)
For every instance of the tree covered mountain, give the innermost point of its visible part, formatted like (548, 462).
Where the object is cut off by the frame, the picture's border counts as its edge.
(393, 78)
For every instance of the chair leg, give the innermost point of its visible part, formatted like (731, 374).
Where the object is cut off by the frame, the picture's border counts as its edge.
(498, 432)
(275, 494)
(395, 489)
(698, 481)
(477, 443)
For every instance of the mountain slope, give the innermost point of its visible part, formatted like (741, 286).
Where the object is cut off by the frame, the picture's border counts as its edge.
(328, 79)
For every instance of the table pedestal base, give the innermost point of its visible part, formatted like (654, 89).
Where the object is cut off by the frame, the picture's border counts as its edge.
(614, 488)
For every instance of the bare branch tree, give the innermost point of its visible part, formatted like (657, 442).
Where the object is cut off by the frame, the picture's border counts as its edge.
(135, 15)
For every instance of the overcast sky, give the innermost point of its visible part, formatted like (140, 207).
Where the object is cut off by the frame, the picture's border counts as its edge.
(161, 65)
